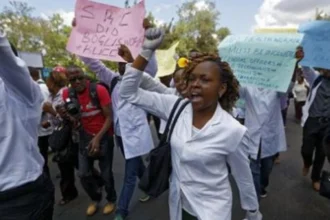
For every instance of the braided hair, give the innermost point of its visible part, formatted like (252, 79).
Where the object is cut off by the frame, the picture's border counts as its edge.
(229, 98)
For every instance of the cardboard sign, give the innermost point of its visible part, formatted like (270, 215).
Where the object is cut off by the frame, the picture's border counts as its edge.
(262, 60)
(101, 29)
(316, 44)
(166, 61)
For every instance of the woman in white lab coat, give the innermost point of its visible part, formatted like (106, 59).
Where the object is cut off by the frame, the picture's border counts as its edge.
(205, 137)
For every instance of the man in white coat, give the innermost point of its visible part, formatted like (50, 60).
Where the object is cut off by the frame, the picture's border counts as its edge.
(25, 191)
(263, 119)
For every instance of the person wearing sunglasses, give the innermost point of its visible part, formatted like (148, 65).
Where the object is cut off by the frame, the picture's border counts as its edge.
(131, 127)
(95, 136)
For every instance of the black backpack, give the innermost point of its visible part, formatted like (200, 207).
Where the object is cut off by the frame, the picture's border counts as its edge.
(92, 91)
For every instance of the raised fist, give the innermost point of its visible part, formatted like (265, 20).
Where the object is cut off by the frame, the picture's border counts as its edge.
(153, 39)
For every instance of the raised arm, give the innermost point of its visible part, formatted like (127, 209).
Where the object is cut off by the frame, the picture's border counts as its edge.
(240, 167)
(15, 74)
(151, 84)
(157, 104)
(152, 67)
(103, 73)
(309, 73)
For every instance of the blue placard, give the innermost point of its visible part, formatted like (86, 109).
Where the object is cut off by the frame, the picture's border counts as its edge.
(262, 60)
(316, 44)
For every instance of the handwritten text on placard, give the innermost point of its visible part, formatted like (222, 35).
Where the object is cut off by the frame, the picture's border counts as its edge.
(316, 44)
(102, 28)
(264, 60)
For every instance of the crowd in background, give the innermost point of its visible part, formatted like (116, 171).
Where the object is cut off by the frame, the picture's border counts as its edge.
(213, 137)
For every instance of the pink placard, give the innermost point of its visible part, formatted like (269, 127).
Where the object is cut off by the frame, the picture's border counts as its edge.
(102, 28)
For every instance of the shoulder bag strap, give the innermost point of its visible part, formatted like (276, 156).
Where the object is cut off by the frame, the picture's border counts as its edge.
(169, 121)
(176, 119)
(113, 84)
(93, 95)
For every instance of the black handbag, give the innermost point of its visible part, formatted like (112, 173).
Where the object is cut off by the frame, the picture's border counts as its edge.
(61, 136)
(60, 141)
(155, 180)
(325, 184)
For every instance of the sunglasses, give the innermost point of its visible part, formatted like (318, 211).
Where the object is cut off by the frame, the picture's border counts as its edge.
(75, 78)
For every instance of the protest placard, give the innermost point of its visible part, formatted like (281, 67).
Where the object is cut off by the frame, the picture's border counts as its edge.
(102, 28)
(262, 60)
(166, 61)
(316, 44)
(278, 30)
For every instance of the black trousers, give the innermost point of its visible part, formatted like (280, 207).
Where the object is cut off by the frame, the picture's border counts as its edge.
(90, 181)
(43, 147)
(313, 134)
(32, 201)
(67, 182)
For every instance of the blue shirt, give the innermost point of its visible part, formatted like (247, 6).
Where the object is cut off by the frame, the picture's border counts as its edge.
(20, 113)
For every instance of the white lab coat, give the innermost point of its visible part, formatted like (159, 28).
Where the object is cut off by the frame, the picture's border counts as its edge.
(264, 121)
(20, 114)
(200, 174)
(310, 75)
(156, 86)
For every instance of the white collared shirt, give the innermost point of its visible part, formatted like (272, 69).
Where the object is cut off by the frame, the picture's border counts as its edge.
(264, 121)
(20, 113)
(199, 161)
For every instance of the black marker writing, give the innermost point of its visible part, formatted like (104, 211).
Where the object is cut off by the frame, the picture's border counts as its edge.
(108, 16)
(89, 10)
(122, 22)
(86, 38)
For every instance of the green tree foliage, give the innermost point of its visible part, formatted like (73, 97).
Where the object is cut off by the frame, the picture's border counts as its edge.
(321, 15)
(34, 34)
(196, 28)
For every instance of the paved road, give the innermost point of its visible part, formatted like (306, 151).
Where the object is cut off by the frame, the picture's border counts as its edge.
(290, 195)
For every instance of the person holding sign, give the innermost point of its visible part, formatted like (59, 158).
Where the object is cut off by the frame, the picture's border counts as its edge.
(315, 120)
(131, 126)
(205, 137)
